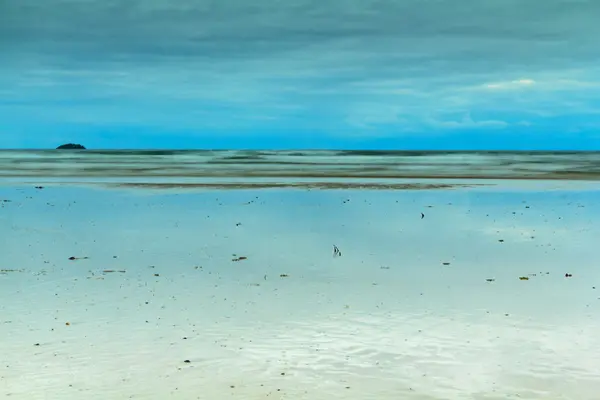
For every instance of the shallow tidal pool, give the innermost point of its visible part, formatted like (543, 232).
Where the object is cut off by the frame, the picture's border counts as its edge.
(487, 292)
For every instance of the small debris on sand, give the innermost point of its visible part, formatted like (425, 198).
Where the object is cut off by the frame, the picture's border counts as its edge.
(6, 271)
(568, 275)
(422, 215)
(239, 258)
(490, 280)
(524, 278)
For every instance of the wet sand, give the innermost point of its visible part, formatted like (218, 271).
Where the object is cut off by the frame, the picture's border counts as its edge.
(478, 292)
(293, 185)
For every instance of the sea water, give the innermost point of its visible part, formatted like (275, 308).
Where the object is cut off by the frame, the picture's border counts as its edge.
(119, 286)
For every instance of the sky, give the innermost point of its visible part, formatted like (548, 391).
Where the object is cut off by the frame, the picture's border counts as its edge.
(402, 74)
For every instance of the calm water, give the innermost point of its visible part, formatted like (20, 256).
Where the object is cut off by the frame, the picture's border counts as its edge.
(200, 286)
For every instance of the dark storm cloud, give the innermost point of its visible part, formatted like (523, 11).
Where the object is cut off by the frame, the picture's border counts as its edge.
(467, 29)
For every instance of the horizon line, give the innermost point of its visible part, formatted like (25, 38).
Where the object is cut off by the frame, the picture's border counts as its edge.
(491, 150)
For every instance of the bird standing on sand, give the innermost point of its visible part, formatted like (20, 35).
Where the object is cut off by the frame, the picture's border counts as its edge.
(336, 251)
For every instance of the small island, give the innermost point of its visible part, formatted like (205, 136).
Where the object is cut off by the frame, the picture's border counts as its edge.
(70, 146)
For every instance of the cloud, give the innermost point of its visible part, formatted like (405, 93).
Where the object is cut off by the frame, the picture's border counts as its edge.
(516, 84)
(558, 83)
(377, 67)
(468, 123)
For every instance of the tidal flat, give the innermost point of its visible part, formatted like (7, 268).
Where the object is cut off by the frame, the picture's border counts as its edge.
(486, 290)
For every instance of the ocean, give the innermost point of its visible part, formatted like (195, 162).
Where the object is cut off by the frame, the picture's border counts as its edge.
(299, 275)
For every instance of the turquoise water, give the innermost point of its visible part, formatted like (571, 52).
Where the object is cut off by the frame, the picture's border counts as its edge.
(158, 303)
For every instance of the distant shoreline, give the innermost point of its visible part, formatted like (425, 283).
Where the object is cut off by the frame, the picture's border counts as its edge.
(299, 152)
(541, 177)
(283, 165)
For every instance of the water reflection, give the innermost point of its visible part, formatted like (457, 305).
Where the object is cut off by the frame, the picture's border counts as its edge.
(415, 308)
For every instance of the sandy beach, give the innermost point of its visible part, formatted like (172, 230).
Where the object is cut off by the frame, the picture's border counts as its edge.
(477, 292)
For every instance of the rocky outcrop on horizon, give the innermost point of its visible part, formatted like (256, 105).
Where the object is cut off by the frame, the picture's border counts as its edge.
(70, 146)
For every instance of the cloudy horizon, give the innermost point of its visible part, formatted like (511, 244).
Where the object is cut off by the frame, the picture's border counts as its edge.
(501, 74)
